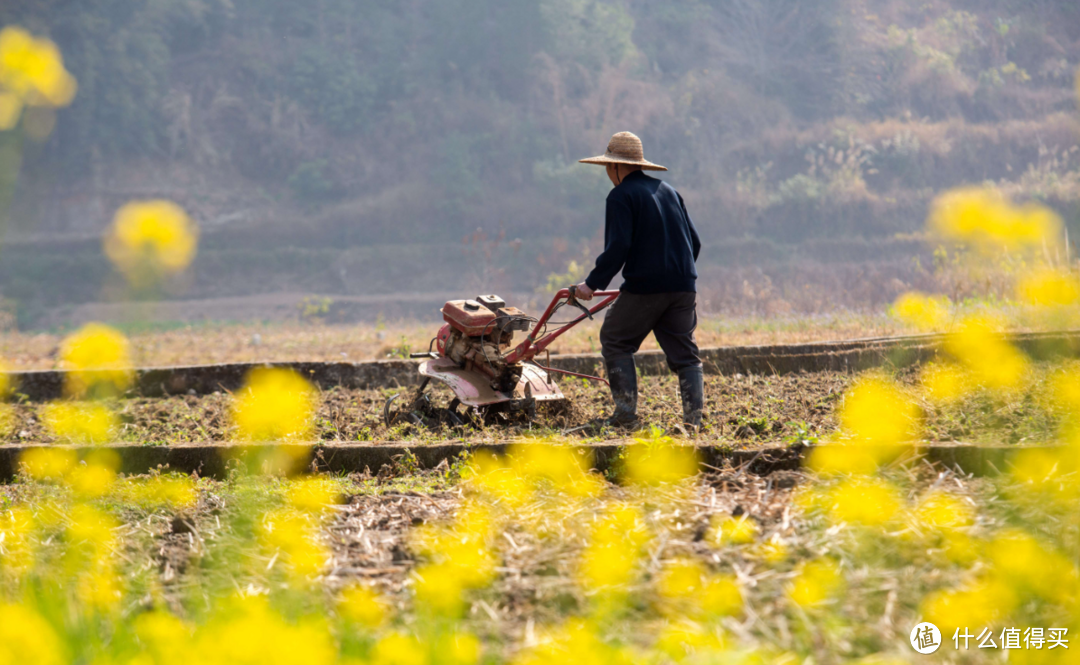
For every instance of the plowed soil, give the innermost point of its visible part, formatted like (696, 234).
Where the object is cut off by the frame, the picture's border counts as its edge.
(740, 410)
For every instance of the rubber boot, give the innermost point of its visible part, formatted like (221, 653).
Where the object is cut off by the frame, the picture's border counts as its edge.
(622, 375)
(692, 391)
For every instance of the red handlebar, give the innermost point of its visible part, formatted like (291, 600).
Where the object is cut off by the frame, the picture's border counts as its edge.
(530, 347)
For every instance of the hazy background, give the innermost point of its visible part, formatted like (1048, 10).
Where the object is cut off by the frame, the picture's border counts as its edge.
(392, 154)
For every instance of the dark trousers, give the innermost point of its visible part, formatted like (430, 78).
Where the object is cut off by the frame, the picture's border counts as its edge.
(672, 317)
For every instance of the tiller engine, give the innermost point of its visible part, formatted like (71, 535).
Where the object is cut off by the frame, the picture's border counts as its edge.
(475, 356)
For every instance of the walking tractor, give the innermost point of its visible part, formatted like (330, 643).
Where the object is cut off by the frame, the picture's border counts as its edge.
(474, 355)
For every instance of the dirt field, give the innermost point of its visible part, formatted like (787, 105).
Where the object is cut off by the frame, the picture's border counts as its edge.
(209, 343)
(741, 410)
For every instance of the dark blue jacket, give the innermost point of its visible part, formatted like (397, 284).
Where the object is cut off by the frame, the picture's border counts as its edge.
(648, 235)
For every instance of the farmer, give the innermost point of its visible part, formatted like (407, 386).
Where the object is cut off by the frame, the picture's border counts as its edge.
(650, 237)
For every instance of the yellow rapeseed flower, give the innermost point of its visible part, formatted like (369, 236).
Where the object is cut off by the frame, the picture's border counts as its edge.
(985, 219)
(944, 511)
(1047, 287)
(45, 463)
(734, 530)
(721, 596)
(91, 536)
(687, 589)
(79, 422)
(459, 648)
(91, 480)
(686, 641)
(100, 590)
(312, 494)
(681, 578)
(170, 491)
(862, 500)
(150, 239)
(247, 631)
(564, 467)
(399, 649)
(274, 404)
(165, 637)
(875, 419)
(654, 462)
(576, 642)
(772, 551)
(1030, 567)
(877, 413)
(32, 73)
(976, 604)
(17, 552)
(360, 604)
(97, 359)
(921, 311)
(499, 484)
(1048, 474)
(944, 382)
(26, 637)
(815, 583)
(293, 535)
(439, 589)
(1066, 391)
(606, 566)
(990, 359)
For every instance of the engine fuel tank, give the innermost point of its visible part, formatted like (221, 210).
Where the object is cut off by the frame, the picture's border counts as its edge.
(469, 316)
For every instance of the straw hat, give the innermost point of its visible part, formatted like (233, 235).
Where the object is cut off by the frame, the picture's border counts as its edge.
(624, 148)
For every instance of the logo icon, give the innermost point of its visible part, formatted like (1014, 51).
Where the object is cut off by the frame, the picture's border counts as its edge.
(925, 638)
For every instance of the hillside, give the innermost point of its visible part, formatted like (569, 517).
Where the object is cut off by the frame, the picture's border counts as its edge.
(376, 147)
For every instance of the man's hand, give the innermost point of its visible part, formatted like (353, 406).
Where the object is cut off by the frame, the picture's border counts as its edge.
(584, 292)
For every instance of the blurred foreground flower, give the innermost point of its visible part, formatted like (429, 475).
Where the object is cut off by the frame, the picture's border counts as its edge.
(171, 490)
(985, 219)
(815, 583)
(610, 560)
(361, 605)
(1047, 287)
(944, 511)
(25, 637)
(654, 459)
(459, 556)
(274, 404)
(564, 468)
(991, 360)
(79, 422)
(151, 239)
(312, 494)
(32, 74)
(876, 418)
(944, 382)
(44, 463)
(863, 500)
(735, 530)
(687, 589)
(247, 631)
(97, 360)
(293, 535)
(924, 312)
(979, 603)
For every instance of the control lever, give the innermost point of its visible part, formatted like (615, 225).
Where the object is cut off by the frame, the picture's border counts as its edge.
(573, 301)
